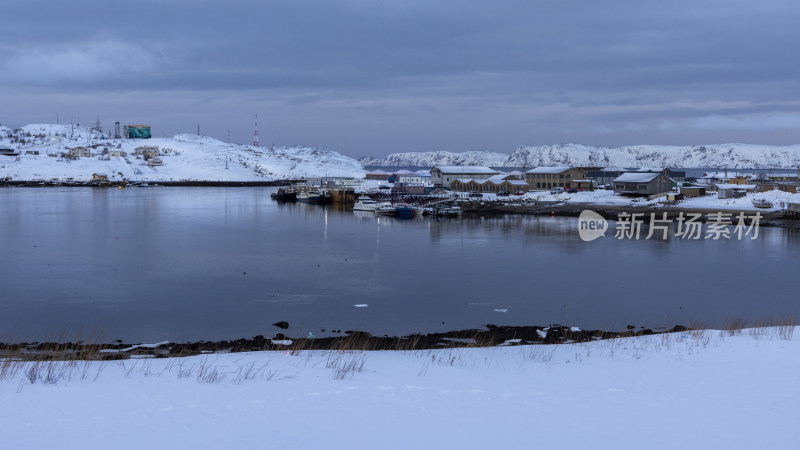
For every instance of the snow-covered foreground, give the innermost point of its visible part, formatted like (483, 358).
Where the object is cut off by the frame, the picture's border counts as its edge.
(684, 390)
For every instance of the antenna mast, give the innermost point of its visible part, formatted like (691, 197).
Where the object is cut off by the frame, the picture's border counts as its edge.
(255, 133)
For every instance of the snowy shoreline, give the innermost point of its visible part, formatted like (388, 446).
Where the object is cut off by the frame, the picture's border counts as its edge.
(487, 336)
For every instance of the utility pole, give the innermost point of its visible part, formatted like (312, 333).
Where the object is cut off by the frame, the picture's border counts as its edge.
(198, 129)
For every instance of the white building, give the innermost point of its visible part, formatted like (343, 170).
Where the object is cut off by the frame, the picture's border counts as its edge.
(442, 176)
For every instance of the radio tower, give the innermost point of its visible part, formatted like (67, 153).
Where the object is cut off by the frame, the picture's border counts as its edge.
(255, 134)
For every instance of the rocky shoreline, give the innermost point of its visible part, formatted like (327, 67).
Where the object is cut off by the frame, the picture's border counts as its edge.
(612, 212)
(489, 336)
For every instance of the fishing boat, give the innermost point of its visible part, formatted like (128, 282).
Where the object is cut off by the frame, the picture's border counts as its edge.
(364, 203)
(324, 197)
(404, 210)
(308, 196)
(284, 194)
(762, 203)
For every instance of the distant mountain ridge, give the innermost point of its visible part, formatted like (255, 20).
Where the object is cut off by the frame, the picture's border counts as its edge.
(745, 156)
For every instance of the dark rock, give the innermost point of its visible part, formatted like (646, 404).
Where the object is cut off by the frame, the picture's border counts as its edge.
(282, 324)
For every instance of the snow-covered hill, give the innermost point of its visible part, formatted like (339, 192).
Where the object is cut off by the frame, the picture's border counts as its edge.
(186, 157)
(428, 159)
(746, 156)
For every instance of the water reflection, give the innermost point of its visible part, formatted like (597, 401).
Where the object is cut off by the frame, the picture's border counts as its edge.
(214, 263)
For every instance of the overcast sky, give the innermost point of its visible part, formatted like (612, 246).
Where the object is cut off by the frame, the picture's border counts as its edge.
(368, 77)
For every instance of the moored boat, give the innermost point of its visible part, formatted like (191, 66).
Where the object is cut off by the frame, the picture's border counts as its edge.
(324, 197)
(386, 209)
(443, 211)
(284, 194)
(308, 196)
(364, 203)
(404, 209)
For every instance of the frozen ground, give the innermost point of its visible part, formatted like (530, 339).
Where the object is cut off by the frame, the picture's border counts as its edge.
(684, 390)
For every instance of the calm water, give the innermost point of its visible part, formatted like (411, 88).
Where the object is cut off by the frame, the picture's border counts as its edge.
(178, 264)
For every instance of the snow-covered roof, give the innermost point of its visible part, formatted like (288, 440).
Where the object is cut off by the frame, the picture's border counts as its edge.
(403, 172)
(637, 177)
(496, 178)
(424, 173)
(746, 187)
(516, 182)
(715, 175)
(466, 170)
(548, 170)
(377, 172)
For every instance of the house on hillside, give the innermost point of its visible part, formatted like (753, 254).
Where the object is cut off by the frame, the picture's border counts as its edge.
(99, 177)
(733, 190)
(143, 150)
(117, 154)
(152, 162)
(442, 176)
(80, 152)
(543, 178)
(642, 183)
(693, 191)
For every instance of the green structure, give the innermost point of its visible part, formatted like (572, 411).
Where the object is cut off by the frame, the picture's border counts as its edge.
(138, 131)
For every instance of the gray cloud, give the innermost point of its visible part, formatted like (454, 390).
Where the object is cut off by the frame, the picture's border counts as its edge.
(372, 77)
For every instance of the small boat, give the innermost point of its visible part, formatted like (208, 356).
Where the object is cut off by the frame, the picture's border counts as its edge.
(324, 197)
(386, 209)
(284, 194)
(443, 211)
(308, 196)
(451, 211)
(404, 210)
(364, 203)
(762, 203)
